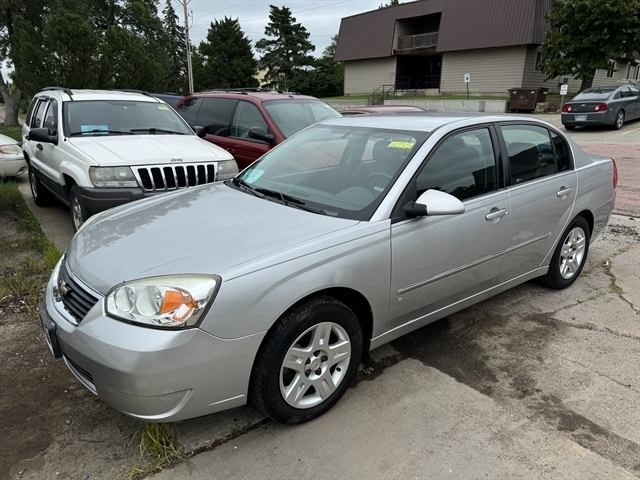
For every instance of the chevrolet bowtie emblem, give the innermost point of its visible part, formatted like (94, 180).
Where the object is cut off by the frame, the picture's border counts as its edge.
(62, 288)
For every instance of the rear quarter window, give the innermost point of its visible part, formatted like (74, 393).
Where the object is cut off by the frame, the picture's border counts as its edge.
(189, 110)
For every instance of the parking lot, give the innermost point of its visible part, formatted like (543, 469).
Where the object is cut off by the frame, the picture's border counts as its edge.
(533, 383)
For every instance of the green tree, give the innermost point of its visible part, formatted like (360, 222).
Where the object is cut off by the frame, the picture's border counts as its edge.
(176, 69)
(225, 58)
(586, 35)
(288, 52)
(325, 79)
(20, 21)
(390, 4)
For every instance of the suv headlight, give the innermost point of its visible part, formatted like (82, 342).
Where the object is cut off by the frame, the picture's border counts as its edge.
(112, 177)
(176, 301)
(227, 169)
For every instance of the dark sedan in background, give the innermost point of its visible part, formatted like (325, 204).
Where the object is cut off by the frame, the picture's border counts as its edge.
(611, 105)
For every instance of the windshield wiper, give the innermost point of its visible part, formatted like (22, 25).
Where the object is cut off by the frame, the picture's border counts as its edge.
(99, 130)
(238, 182)
(290, 201)
(155, 130)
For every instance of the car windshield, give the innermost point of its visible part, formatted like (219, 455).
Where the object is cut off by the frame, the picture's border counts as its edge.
(341, 171)
(291, 116)
(121, 117)
(594, 94)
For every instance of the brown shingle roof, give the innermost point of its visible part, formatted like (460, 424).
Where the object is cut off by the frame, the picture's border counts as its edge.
(464, 25)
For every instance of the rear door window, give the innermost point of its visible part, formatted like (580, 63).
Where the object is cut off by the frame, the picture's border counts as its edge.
(531, 154)
(215, 115)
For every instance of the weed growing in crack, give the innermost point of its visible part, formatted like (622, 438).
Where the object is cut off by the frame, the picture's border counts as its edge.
(159, 449)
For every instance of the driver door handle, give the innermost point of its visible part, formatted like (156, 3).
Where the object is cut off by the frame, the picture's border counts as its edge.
(39, 146)
(495, 213)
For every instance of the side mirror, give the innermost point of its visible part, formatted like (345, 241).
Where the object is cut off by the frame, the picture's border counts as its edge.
(259, 134)
(434, 202)
(42, 135)
(199, 131)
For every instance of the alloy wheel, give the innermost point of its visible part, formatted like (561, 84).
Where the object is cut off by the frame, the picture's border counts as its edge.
(572, 254)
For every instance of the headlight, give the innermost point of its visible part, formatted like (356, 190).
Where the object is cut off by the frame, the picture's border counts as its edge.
(11, 150)
(172, 301)
(112, 177)
(227, 169)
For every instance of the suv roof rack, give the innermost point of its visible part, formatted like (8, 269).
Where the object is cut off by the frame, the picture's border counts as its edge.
(131, 90)
(246, 90)
(64, 89)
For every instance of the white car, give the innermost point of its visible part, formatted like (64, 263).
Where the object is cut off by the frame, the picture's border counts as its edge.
(12, 161)
(96, 149)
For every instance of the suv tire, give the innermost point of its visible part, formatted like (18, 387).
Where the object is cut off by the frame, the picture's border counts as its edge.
(79, 211)
(42, 197)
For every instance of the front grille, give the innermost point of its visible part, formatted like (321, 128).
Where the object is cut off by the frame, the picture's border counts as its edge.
(77, 301)
(172, 177)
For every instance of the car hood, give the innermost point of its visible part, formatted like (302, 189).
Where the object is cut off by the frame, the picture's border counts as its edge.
(207, 230)
(148, 149)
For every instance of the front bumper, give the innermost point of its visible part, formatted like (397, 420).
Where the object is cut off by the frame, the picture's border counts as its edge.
(12, 166)
(152, 374)
(100, 199)
(592, 119)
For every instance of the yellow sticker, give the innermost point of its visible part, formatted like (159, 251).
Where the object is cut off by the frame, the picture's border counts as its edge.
(162, 107)
(401, 144)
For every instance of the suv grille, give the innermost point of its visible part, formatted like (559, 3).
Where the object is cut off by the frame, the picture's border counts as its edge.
(171, 177)
(77, 301)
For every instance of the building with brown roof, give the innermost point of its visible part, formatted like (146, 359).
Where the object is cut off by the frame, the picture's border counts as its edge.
(432, 44)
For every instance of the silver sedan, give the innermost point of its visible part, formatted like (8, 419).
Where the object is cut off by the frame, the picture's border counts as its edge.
(269, 287)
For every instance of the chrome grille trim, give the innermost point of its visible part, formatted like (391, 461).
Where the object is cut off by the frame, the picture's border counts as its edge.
(162, 178)
(80, 299)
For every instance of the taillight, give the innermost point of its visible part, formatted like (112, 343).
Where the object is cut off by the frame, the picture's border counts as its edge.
(615, 174)
(566, 108)
(600, 108)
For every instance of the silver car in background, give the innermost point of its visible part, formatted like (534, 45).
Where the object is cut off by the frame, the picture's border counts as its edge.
(269, 287)
(611, 105)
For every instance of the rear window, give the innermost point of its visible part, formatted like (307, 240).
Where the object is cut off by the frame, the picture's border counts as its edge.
(595, 94)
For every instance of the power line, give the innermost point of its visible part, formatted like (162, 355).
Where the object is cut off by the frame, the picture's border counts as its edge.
(222, 9)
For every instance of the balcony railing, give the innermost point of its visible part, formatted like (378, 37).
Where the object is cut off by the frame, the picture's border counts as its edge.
(418, 41)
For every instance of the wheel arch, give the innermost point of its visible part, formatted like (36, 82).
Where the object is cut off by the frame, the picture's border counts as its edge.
(588, 216)
(69, 182)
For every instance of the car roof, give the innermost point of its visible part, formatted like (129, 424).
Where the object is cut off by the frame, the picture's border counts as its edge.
(87, 94)
(260, 95)
(415, 121)
(383, 108)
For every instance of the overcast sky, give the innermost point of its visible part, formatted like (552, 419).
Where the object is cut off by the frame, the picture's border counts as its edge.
(321, 18)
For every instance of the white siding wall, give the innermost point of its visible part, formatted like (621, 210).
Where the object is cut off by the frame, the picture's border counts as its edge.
(493, 70)
(361, 77)
(618, 78)
(534, 78)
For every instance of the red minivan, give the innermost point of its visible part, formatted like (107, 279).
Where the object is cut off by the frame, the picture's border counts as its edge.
(249, 122)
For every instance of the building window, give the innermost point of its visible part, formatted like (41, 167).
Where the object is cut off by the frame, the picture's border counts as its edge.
(612, 66)
(632, 72)
(538, 61)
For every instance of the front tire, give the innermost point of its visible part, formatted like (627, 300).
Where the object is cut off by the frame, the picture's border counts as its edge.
(307, 361)
(570, 256)
(619, 121)
(79, 212)
(41, 196)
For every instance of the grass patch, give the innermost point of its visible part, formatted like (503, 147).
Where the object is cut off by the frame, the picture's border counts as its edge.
(13, 131)
(159, 449)
(22, 274)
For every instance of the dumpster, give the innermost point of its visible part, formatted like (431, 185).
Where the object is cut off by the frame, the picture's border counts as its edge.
(526, 98)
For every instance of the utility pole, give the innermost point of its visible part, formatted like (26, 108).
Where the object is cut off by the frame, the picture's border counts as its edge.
(184, 4)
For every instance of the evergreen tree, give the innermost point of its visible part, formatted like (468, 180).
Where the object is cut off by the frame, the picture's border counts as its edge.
(288, 52)
(325, 79)
(225, 58)
(587, 34)
(176, 70)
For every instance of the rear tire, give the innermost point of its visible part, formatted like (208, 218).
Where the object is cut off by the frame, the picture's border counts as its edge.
(79, 212)
(307, 361)
(570, 256)
(619, 121)
(42, 197)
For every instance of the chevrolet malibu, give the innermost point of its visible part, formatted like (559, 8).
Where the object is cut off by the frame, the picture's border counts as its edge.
(270, 286)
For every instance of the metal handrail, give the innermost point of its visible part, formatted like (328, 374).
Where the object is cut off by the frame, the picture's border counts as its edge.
(383, 92)
(420, 40)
